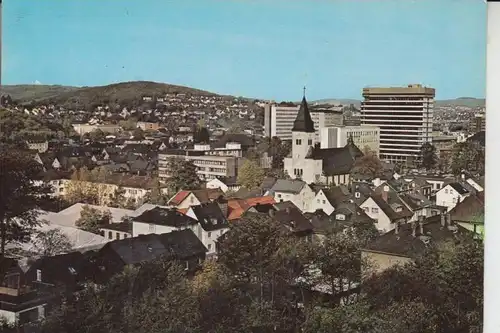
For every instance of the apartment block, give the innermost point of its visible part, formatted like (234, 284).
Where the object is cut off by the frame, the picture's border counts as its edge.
(279, 118)
(405, 117)
(363, 137)
(208, 166)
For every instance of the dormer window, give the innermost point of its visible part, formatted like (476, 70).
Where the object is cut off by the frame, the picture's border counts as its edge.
(340, 217)
(357, 195)
(39, 275)
(72, 270)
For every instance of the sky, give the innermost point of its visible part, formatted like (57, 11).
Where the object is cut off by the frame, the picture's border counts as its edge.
(254, 48)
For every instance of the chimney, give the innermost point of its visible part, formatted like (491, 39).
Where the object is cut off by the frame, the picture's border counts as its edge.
(396, 229)
(414, 229)
(271, 212)
(288, 210)
(443, 220)
(421, 224)
(385, 193)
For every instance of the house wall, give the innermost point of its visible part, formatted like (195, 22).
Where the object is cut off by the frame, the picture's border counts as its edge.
(217, 183)
(302, 200)
(190, 200)
(373, 211)
(140, 228)
(448, 197)
(379, 262)
(114, 234)
(209, 239)
(321, 202)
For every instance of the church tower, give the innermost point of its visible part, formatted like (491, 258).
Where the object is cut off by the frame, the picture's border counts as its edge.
(303, 132)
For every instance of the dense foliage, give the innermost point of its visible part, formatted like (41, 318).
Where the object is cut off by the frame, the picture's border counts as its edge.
(261, 283)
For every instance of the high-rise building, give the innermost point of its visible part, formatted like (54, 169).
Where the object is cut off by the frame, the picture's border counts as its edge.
(404, 116)
(478, 123)
(279, 119)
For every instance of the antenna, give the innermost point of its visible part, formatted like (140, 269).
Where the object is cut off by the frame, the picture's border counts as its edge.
(303, 88)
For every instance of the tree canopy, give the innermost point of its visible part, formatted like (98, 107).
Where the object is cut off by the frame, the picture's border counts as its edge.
(183, 175)
(91, 219)
(368, 166)
(250, 175)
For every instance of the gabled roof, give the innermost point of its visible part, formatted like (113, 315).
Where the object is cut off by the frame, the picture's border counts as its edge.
(459, 188)
(471, 209)
(336, 161)
(203, 196)
(288, 186)
(237, 207)
(415, 201)
(303, 122)
(293, 219)
(336, 195)
(210, 216)
(404, 244)
(389, 206)
(178, 245)
(165, 216)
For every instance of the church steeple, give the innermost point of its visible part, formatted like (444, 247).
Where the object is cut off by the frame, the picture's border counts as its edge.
(303, 122)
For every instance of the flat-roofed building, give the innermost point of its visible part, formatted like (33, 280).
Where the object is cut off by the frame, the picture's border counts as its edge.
(363, 137)
(279, 119)
(405, 118)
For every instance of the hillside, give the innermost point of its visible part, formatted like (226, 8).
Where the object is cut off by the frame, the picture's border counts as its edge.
(124, 92)
(29, 92)
(463, 101)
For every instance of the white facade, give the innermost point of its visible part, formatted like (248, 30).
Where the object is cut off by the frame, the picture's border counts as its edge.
(363, 137)
(373, 211)
(303, 200)
(405, 117)
(449, 197)
(278, 120)
(12, 318)
(320, 201)
(208, 167)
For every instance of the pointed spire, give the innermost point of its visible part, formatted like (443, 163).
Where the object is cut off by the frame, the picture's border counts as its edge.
(303, 122)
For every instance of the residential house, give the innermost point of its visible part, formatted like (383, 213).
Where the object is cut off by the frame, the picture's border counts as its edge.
(451, 194)
(160, 220)
(296, 191)
(327, 199)
(178, 245)
(115, 231)
(41, 146)
(238, 207)
(223, 183)
(294, 221)
(405, 242)
(469, 213)
(188, 198)
(387, 209)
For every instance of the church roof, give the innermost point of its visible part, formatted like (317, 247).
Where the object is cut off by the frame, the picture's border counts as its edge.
(303, 122)
(337, 161)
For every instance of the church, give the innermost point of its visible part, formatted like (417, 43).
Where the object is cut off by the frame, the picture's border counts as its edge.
(310, 163)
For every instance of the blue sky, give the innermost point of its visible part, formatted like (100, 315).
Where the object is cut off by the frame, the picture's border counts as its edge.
(260, 48)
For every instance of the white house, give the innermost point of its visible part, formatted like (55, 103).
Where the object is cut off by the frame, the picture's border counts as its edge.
(328, 199)
(451, 194)
(185, 199)
(322, 202)
(223, 184)
(387, 209)
(296, 191)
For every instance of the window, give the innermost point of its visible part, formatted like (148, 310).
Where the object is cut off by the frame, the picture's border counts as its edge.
(298, 142)
(125, 236)
(324, 202)
(310, 142)
(39, 275)
(209, 234)
(357, 195)
(117, 235)
(446, 191)
(279, 195)
(209, 247)
(366, 209)
(375, 210)
(110, 235)
(318, 201)
(151, 227)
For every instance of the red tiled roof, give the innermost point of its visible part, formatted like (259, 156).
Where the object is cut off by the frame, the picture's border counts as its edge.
(261, 200)
(179, 197)
(239, 206)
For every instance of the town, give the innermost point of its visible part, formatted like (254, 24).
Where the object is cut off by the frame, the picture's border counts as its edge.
(187, 211)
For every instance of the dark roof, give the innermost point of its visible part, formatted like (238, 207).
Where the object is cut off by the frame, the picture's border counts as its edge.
(459, 188)
(165, 216)
(388, 207)
(244, 140)
(179, 245)
(470, 210)
(479, 137)
(404, 244)
(267, 183)
(288, 186)
(303, 122)
(123, 226)
(337, 161)
(64, 269)
(336, 195)
(293, 219)
(210, 216)
(284, 205)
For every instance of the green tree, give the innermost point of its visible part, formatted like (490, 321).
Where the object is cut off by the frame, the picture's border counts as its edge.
(468, 156)
(428, 156)
(138, 134)
(20, 195)
(91, 219)
(368, 165)
(250, 175)
(156, 195)
(183, 175)
(51, 242)
(118, 199)
(97, 175)
(97, 135)
(201, 135)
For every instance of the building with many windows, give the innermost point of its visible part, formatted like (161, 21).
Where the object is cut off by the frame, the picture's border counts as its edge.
(208, 166)
(365, 137)
(279, 119)
(404, 116)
